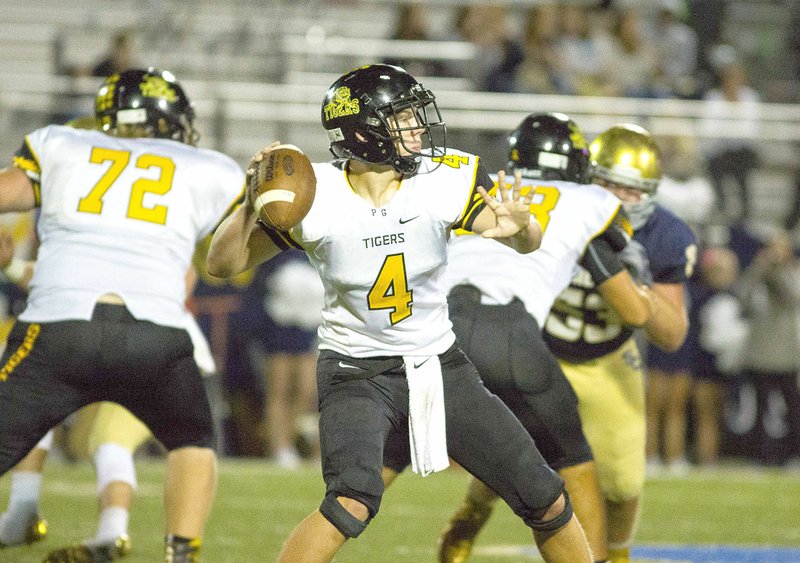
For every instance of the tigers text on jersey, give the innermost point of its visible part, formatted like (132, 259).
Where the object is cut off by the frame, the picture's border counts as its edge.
(382, 267)
(120, 216)
(582, 327)
(570, 215)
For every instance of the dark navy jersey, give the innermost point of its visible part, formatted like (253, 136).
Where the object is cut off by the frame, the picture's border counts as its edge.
(582, 327)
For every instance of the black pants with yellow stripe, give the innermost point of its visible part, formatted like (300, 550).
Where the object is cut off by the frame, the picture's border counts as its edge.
(50, 370)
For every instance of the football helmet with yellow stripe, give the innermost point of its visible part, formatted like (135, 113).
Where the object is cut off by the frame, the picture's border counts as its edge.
(626, 156)
(549, 146)
(150, 100)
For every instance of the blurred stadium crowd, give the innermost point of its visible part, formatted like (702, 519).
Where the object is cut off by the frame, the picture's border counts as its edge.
(728, 72)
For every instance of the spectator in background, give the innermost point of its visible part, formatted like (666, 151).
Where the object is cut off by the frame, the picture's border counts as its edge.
(498, 54)
(281, 309)
(632, 64)
(119, 56)
(583, 51)
(698, 370)
(677, 46)
(542, 70)
(685, 188)
(669, 381)
(707, 18)
(722, 331)
(771, 294)
(412, 25)
(730, 122)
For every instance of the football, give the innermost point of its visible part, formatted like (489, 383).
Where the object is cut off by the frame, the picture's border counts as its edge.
(282, 187)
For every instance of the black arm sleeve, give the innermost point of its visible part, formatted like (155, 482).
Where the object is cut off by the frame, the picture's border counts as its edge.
(619, 231)
(281, 238)
(601, 260)
(476, 203)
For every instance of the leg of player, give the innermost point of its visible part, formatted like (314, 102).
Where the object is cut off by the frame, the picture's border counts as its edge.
(515, 469)
(622, 520)
(188, 494)
(20, 523)
(315, 539)
(707, 396)
(583, 486)
(116, 483)
(675, 422)
(113, 436)
(565, 545)
(280, 413)
(618, 442)
(458, 537)
(533, 386)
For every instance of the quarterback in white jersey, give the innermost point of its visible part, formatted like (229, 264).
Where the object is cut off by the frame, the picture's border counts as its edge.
(377, 234)
(391, 260)
(121, 211)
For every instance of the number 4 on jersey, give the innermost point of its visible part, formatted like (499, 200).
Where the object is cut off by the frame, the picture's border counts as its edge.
(390, 290)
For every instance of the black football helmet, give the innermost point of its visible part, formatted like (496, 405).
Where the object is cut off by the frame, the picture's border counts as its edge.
(549, 146)
(150, 98)
(359, 114)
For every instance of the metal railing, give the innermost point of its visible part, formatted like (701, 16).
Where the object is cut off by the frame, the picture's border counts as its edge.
(234, 115)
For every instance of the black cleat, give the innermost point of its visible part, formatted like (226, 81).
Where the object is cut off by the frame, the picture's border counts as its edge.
(90, 552)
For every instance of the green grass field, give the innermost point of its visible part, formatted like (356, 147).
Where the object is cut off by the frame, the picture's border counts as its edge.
(257, 505)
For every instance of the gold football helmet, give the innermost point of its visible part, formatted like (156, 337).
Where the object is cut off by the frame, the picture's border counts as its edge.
(626, 155)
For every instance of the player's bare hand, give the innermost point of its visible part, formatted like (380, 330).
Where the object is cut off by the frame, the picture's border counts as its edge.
(251, 167)
(6, 248)
(512, 212)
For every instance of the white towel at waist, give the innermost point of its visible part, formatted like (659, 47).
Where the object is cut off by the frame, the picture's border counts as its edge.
(426, 417)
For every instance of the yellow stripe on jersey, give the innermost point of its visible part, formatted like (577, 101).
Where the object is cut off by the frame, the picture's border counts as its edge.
(26, 160)
(620, 219)
(474, 203)
(22, 352)
(623, 221)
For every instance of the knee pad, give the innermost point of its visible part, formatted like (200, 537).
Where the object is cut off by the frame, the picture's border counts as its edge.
(46, 442)
(539, 525)
(114, 463)
(340, 517)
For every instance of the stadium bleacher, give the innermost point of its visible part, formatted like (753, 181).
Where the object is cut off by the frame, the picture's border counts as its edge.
(258, 71)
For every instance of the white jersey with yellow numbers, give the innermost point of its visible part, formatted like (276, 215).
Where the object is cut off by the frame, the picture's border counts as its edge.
(382, 266)
(120, 216)
(570, 214)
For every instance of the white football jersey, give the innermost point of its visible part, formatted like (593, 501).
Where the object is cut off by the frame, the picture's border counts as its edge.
(570, 214)
(120, 216)
(382, 267)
